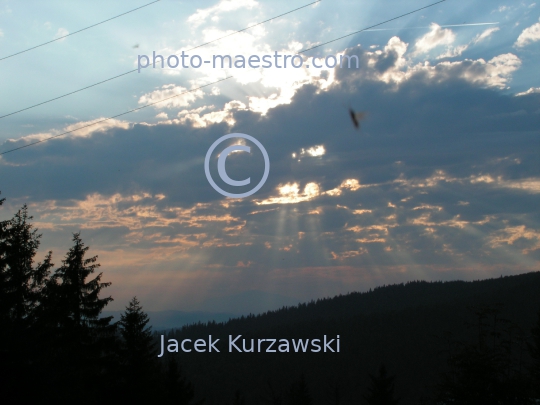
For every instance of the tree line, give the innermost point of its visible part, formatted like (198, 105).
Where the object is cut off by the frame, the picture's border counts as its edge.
(53, 342)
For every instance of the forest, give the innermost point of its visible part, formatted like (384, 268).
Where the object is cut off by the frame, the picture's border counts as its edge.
(416, 343)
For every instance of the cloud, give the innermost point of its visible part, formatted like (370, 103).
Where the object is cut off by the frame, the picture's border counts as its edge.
(485, 35)
(198, 120)
(349, 184)
(528, 36)
(88, 128)
(223, 6)
(290, 194)
(62, 32)
(496, 72)
(452, 52)
(437, 36)
(314, 151)
(443, 176)
(529, 238)
(166, 92)
(391, 66)
(532, 90)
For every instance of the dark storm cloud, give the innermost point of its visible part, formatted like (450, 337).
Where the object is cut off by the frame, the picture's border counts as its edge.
(445, 123)
(440, 161)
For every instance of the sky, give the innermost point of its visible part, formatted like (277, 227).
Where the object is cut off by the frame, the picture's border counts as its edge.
(440, 182)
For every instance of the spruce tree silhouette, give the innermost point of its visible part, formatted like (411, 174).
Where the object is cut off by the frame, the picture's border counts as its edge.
(139, 367)
(85, 343)
(21, 282)
(381, 389)
(299, 393)
(21, 285)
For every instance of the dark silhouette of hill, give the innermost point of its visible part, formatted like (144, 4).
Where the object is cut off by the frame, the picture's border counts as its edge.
(404, 327)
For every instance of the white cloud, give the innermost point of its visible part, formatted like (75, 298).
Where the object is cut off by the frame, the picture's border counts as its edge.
(494, 73)
(101, 127)
(275, 86)
(452, 51)
(282, 84)
(1, 33)
(222, 7)
(349, 184)
(215, 117)
(82, 133)
(485, 34)
(529, 35)
(167, 91)
(317, 150)
(436, 37)
(532, 90)
(290, 194)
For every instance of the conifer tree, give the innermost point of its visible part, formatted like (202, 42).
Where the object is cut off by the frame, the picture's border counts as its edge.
(84, 344)
(21, 281)
(76, 297)
(299, 393)
(21, 289)
(139, 368)
(137, 336)
(381, 389)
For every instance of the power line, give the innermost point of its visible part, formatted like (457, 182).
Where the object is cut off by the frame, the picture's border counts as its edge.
(135, 70)
(441, 26)
(251, 26)
(373, 26)
(76, 32)
(206, 85)
(112, 117)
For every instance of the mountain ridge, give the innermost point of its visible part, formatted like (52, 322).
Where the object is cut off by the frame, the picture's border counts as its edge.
(401, 325)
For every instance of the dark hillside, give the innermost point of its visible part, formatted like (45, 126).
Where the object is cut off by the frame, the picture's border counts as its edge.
(402, 326)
